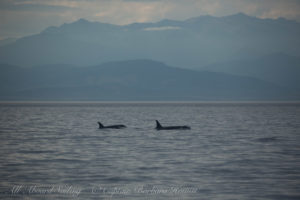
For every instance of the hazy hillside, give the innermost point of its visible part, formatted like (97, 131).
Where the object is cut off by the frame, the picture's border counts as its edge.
(278, 68)
(191, 43)
(131, 80)
(7, 41)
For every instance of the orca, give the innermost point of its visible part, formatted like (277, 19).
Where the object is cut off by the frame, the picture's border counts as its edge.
(160, 127)
(117, 126)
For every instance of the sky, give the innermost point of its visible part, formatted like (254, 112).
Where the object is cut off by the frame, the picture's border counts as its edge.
(20, 18)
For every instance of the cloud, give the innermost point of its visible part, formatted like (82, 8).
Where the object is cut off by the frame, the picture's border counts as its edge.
(18, 17)
(124, 12)
(162, 28)
(62, 3)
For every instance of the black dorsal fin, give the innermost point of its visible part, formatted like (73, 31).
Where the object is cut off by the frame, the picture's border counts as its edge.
(158, 125)
(100, 125)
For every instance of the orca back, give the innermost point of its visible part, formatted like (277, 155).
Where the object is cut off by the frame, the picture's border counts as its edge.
(160, 127)
(118, 126)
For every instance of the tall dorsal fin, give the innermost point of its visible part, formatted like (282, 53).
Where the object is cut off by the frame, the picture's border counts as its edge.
(158, 125)
(100, 125)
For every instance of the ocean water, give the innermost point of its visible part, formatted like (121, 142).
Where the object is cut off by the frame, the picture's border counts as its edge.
(233, 151)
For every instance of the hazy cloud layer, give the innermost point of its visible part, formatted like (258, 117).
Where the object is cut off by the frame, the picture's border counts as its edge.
(24, 17)
(164, 28)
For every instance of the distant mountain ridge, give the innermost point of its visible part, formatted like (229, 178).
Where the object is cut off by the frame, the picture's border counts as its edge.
(134, 80)
(278, 68)
(7, 41)
(190, 43)
(248, 59)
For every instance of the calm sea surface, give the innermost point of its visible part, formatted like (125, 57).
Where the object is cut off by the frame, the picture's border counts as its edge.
(233, 151)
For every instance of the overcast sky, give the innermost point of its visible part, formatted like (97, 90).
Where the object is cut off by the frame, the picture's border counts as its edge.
(24, 17)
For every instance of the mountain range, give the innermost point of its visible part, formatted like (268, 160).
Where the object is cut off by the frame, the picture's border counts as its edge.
(277, 68)
(236, 57)
(191, 43)
(132, 80)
